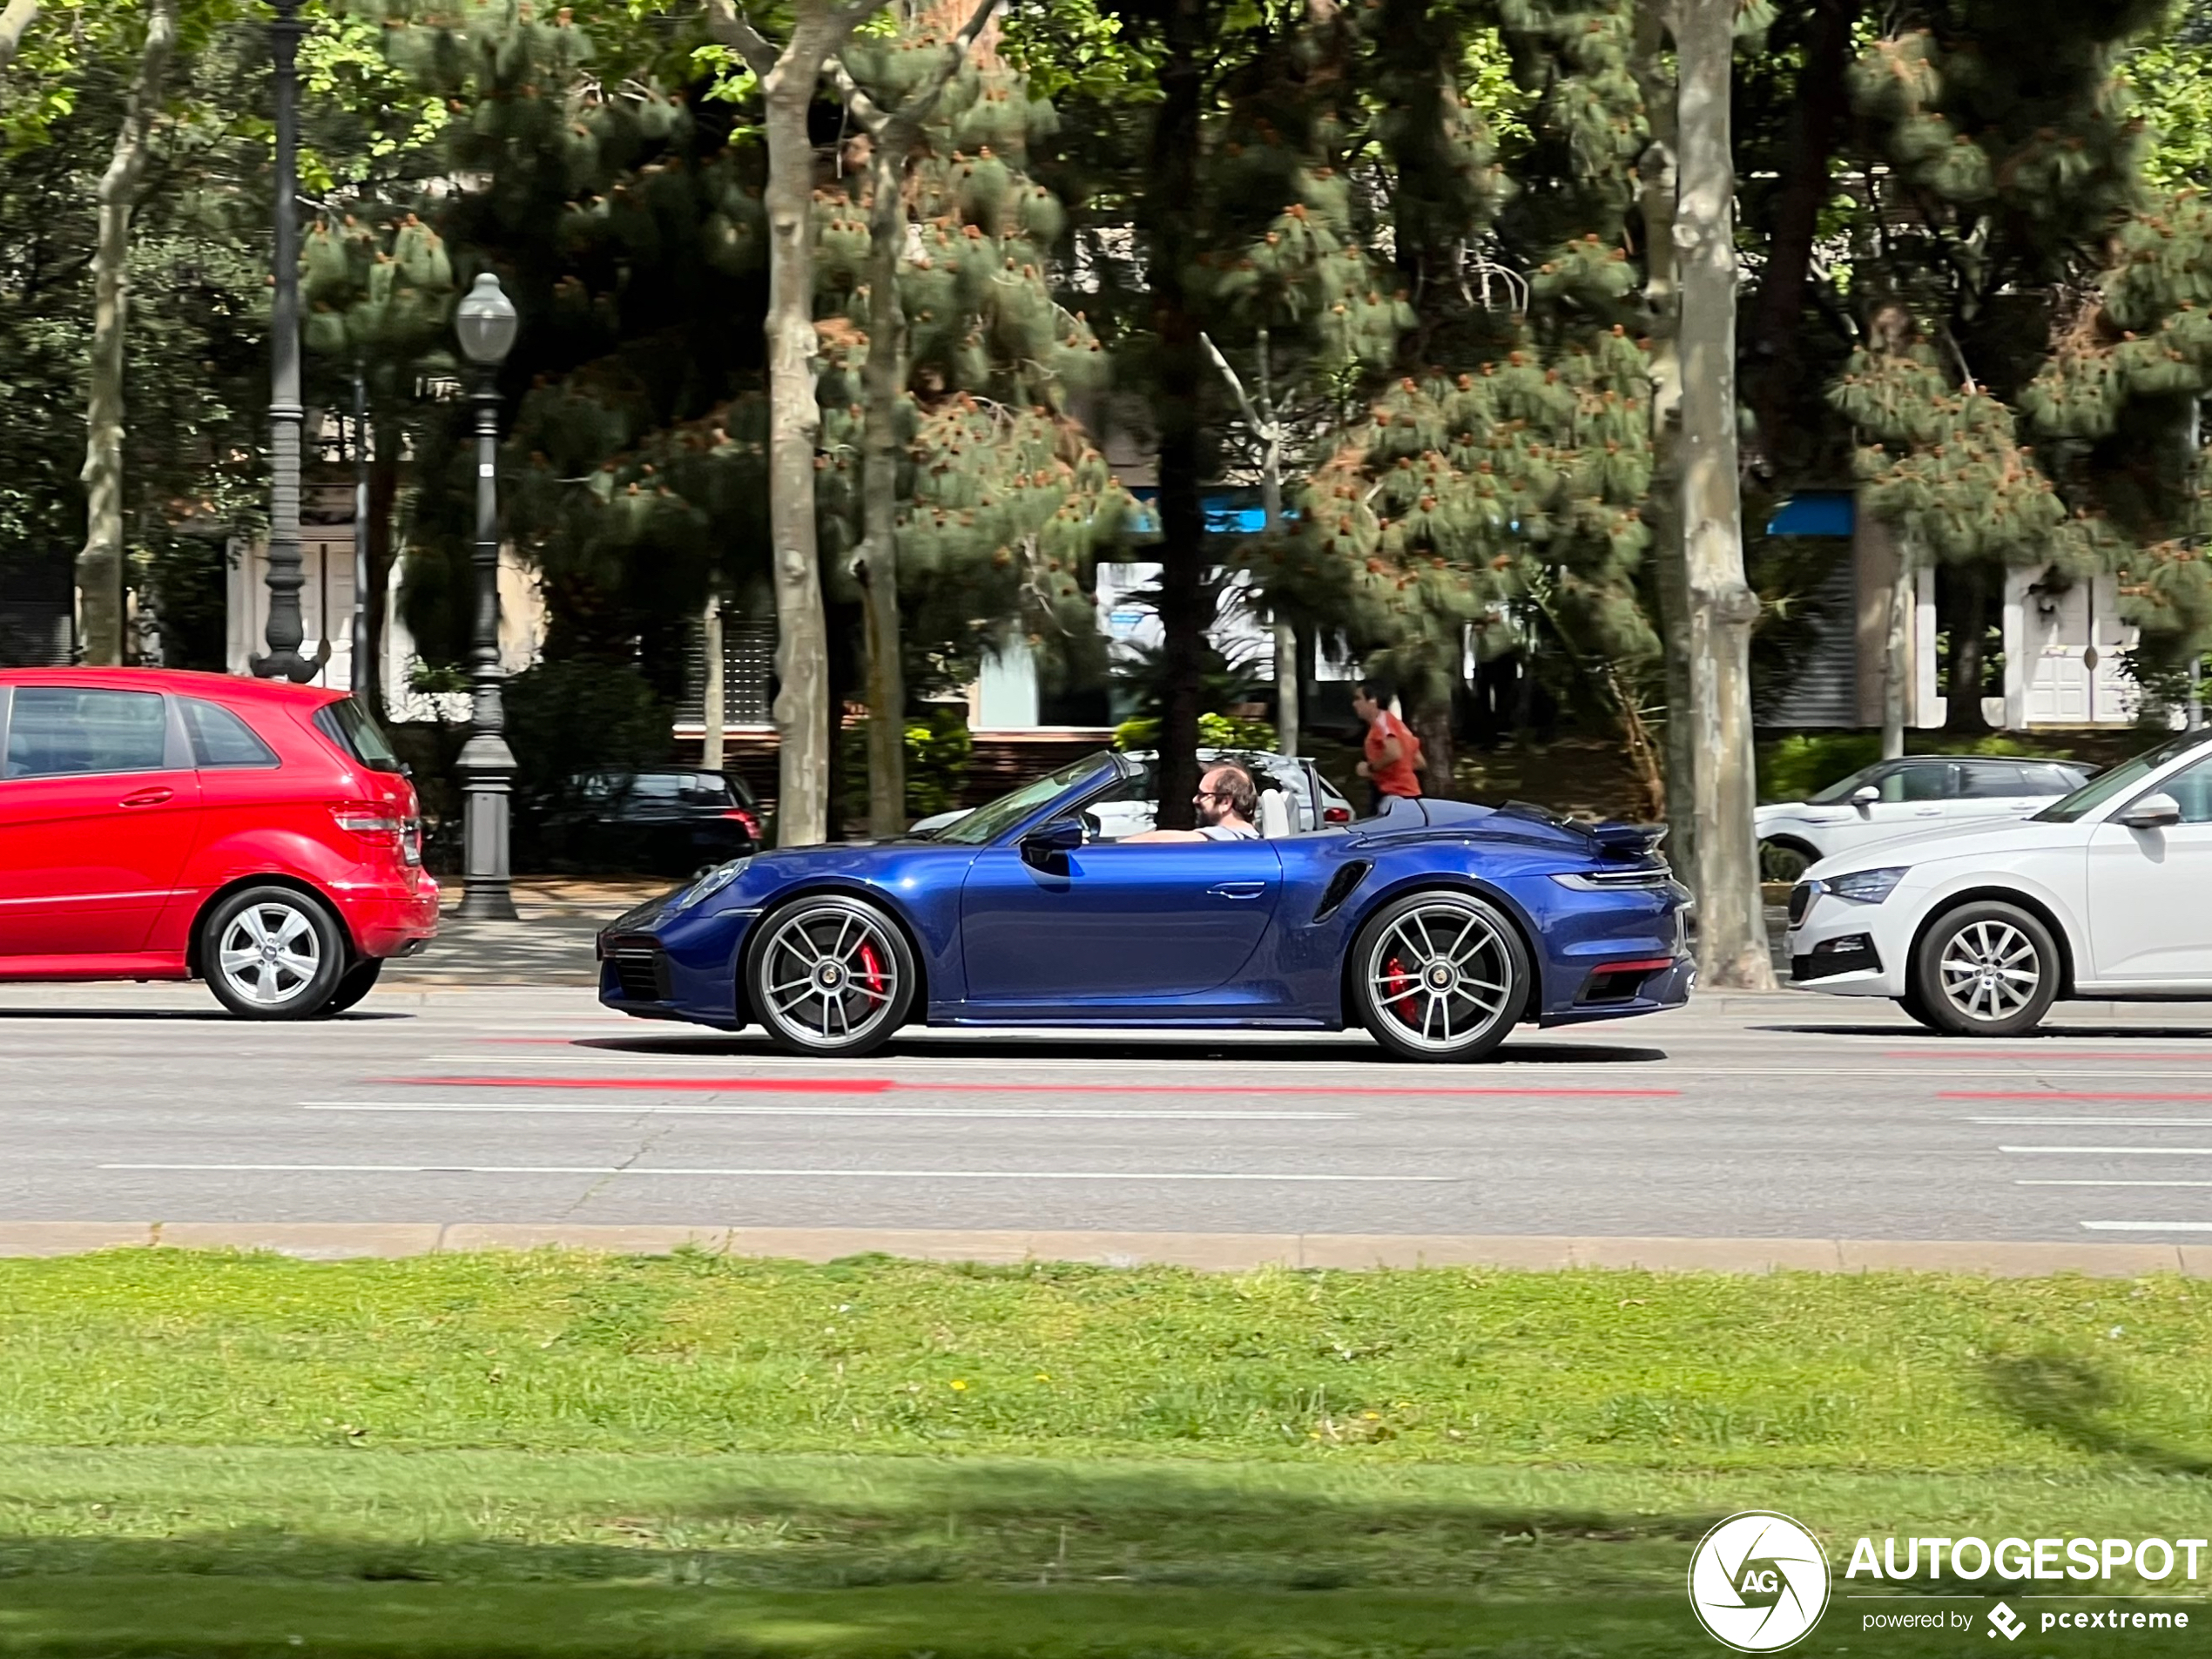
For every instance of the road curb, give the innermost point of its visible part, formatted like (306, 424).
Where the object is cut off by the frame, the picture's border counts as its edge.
(1218, 1252)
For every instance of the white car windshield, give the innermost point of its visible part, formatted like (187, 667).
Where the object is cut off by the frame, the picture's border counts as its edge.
(2069, 808)
(986, 824)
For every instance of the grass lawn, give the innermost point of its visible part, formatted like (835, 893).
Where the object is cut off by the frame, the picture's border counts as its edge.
(563, 1453)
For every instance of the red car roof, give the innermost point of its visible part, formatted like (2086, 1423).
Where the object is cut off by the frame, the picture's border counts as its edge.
(188, 681)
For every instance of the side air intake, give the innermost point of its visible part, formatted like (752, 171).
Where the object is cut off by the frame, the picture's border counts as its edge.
(1341, 887)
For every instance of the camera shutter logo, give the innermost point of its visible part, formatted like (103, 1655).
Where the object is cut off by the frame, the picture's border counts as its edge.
(1758, 1581)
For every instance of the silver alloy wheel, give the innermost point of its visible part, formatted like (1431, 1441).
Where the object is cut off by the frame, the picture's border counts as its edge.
(1442, 974)
(829, 975)
(1989, 970)
(269, 953)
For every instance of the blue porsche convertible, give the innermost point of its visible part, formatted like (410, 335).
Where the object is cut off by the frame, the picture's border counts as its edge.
(1437, 925)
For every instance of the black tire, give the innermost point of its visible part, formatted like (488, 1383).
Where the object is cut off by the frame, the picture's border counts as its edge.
(830, 975)
(273, 954)
(1912, 1004)
(1783, 859)
(1986, 969)
(1426, 958)
(356, 982)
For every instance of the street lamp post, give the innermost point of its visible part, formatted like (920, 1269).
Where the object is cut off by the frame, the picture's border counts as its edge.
(486, 322)
(286, 631)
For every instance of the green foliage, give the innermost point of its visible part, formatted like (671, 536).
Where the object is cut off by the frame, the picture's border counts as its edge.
(938, 750)
(1216, 730)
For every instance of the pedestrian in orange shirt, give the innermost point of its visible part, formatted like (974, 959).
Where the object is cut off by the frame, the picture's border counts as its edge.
(1393, 753)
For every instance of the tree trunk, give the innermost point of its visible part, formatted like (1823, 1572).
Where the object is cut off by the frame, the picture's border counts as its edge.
(1287, 734)
(788, 78)
(892, 139)
(1897, 653)
(99, 565)
(1967, 589)
(1168, 205)
(712, 700)
(19, 15)
(1432, 723)
(1732, 943)
(383, 497)
(1822, 101)
(884, 377)
(1655, 199)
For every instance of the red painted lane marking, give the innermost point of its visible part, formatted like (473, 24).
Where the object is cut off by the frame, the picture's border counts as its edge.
(2061, 1093)
(2041, 1053)
(891, 1085)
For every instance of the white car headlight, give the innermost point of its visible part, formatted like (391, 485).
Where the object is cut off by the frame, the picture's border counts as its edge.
(1866, 887)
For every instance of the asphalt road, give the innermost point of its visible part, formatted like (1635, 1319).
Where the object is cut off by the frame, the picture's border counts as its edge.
(1790, 1115)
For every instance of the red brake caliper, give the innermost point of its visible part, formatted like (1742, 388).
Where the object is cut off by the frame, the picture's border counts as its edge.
(872, 968)
(1400, 986)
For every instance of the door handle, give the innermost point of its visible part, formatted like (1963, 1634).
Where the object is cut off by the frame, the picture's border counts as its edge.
(1237, 889)
(1927, 811)
(149, 797)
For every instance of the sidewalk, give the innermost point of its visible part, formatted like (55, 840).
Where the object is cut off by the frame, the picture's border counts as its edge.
(550, 943)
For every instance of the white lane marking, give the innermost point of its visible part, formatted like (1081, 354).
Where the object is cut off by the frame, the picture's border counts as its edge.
(2150, 1226)
(849, 1175)
(901, 1064)
(2113, 1183)
(2099, 1123)
(2121, 1151)
(818, 1111)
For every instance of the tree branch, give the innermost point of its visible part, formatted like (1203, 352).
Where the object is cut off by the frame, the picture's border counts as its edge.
(1235, 386)
(19, 15)
(731, 28)
(874, 119)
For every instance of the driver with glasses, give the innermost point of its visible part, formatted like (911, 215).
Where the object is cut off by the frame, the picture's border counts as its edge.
(1226, 801)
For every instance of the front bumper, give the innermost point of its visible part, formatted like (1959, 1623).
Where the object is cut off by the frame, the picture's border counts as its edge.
(1847, 949)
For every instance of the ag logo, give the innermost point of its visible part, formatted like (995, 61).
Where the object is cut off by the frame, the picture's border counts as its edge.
(1758, 1581)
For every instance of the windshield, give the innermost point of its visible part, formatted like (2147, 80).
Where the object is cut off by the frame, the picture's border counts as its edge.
(2069, 808)
(987, 824)
(1841, 789)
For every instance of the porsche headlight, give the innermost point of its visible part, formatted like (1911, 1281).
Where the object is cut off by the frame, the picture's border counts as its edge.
(712, 882)
(1866, 887)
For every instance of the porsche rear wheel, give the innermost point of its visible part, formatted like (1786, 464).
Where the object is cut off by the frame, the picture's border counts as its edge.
(830, 975)
(1440, 976)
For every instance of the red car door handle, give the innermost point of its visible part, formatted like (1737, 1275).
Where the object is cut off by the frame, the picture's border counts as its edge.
(149, 797)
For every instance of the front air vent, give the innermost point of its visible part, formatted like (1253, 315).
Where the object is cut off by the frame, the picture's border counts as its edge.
(1341, 887)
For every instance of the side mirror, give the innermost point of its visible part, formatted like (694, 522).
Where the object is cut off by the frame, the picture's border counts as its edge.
(2151, 811)
(1865, 794)
(1052, 840)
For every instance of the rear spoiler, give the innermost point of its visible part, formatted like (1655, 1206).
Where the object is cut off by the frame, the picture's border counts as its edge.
(1627, 840)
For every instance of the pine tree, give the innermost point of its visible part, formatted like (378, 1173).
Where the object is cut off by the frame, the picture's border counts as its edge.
(2011, 158)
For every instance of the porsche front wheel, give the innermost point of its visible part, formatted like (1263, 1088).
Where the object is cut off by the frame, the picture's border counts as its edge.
(1440, 976)
(830, 975)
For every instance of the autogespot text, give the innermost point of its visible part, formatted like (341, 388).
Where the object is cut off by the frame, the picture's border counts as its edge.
(2081, 1559)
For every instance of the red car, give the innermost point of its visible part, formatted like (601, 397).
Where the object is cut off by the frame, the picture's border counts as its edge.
(157, 825)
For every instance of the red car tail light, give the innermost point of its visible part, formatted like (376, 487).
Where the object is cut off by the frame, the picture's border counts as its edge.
(752, 823)
(1335, 814)
(375, 822)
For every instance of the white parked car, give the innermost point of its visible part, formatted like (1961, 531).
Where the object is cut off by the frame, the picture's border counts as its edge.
(1904, 797)
(2104, 893)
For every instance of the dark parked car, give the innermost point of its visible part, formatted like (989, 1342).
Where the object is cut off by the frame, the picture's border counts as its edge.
(668, 822)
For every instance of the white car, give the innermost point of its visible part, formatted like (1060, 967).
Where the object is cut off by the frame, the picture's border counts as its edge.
(2106, 892)
(1905, 797)
(1310, 800)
